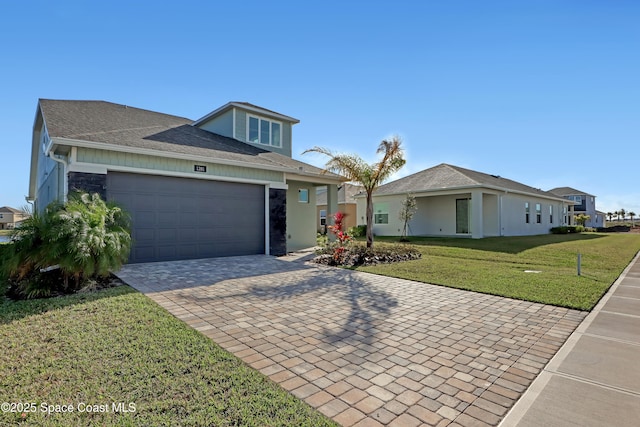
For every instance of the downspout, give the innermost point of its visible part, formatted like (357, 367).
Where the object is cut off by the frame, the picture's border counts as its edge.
(65, 189)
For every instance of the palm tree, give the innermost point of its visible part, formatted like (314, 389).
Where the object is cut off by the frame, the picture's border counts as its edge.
(369, 176)
(622, 213)
(617, 214)
(610, 215)
(632, 214)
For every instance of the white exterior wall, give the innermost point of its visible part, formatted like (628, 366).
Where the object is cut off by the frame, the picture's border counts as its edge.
(513, 215)
(501, 214)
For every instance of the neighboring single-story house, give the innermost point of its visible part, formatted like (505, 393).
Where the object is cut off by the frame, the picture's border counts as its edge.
(585, 203)
(346, 204)
(10, 217)
(222, 185)
(453, 201)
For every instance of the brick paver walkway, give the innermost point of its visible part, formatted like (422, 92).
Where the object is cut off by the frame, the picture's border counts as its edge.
(364, 349)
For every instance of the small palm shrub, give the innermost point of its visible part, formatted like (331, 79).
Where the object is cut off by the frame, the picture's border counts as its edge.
(65, 245)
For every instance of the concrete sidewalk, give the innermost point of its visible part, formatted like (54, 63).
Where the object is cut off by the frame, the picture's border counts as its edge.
(594, 380)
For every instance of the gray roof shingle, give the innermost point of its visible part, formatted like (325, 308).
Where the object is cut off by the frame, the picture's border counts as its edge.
(567, 191)
(448, 177)
(116, 124)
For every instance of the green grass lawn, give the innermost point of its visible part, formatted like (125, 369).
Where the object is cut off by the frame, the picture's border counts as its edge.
(118, 346)
(497, 265)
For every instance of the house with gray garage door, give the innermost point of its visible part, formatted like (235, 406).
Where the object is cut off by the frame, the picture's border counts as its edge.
(223, 185)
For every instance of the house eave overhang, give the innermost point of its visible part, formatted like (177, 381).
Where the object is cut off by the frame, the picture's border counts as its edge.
(315, 178)
(257, 110)
(464, 188)
(58, 142)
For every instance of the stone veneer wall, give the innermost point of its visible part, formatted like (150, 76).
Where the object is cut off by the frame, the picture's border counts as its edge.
(89, 182)
(277, 222)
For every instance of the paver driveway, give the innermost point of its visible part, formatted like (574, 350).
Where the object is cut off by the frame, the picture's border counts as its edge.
(364, 349)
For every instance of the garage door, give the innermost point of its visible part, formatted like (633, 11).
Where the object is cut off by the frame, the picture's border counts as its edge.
(181, 218)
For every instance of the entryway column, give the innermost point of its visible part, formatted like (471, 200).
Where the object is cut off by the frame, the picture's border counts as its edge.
(477, 231)
(332, 206)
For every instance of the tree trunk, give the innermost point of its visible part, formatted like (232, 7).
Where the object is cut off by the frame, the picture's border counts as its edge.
(369, 219)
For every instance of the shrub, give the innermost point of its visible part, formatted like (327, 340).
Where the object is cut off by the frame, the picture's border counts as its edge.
(565, 229)
(81, 240)
(358, 254)
(358, 231)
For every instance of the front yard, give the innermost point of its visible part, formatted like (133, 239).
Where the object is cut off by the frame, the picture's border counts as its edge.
(119, 359)
(497, 265)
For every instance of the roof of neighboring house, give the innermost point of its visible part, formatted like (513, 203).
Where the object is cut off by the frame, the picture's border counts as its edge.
(449, 177)
(10, 210)
(124, 126)
(568, 191)
(346, 194)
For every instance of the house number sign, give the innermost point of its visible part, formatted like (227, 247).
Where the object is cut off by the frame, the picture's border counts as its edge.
(199, 168)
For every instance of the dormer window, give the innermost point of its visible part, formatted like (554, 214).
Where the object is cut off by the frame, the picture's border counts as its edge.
(262, 131)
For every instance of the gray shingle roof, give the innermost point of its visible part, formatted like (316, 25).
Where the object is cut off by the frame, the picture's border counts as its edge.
(109, 123)
(449, 177)
(567, 191)
(346, 192)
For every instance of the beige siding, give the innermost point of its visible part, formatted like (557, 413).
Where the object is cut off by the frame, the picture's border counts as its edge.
(301, 217)
(141, 161)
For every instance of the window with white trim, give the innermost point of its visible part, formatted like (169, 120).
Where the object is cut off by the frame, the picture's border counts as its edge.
(381, 213)
(526, 212)
(550, 214)
(262, 131)
(538, 213)
(323, 217)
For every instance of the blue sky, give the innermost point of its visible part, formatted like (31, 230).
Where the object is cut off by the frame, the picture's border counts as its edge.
(542, 92)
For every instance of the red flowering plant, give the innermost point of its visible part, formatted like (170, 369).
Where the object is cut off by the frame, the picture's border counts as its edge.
(342, 237)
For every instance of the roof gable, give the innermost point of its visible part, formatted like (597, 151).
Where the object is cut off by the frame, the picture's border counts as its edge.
(10, 210)
(247, 107)
(568, 191)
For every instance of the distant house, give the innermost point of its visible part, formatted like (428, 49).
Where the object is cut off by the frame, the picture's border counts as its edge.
(585, 203)
(453, 201)
(221, 185)
(10, 217)
(346, 204)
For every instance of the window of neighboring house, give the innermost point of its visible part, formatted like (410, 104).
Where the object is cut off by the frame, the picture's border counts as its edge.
(526, 212)
(538, 213)
(263, 131)
(303, 195)
(564, 214)
(323, 217)
(1, 216)
(462, 216)
(550, 214)
(381, 213)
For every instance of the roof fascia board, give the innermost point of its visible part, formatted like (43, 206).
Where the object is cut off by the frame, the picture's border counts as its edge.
(35, 152)
(307, 177)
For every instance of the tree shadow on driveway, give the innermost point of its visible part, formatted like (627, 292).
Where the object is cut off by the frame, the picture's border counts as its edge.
(367, 305)
(347, 307)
